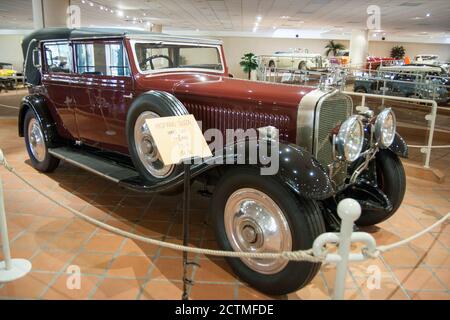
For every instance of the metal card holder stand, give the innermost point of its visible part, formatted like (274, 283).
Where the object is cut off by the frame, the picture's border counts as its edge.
(173, 137)
(186, 222)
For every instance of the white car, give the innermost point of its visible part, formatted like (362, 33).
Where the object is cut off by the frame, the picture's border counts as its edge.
(427, 58)
(294, 60)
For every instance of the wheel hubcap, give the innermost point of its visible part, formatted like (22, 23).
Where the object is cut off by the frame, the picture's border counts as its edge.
(146, 148)
(255, 223)
(36, 140)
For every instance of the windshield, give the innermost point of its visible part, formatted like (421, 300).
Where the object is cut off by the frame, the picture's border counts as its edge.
(162, 56)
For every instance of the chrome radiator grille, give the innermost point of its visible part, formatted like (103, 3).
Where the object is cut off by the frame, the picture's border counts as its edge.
(330, 112)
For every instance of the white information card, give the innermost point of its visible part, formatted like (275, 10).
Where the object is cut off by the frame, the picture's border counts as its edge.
(178, 138)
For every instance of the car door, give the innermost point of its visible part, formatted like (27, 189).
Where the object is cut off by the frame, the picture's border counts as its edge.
(103, 92)
(57, 79)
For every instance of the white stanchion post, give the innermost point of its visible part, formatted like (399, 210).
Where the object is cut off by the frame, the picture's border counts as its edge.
(10, 269)
(349, 211)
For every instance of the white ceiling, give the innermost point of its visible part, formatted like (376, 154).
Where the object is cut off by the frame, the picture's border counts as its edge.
(335, 18)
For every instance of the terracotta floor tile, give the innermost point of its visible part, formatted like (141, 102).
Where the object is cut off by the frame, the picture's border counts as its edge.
(152, 229)
(19, 253)
(316, 290)
(68, 241)
(52, 261)
(48, 224)
(436, 256)
(130, 266)
(212, 292)
(98, 212)
(443, 275)
(429, 295)
(329, 273)
(93, 263)
(402, 257)
(418, 279)
(127, 213)
(167, 269)
(79, 225)
(104, 243)
(162, 290)
(63, 288)
(30, 287)
(118, 289)
(134, 247)
(124, 225)
(33, 240)
(216, 270)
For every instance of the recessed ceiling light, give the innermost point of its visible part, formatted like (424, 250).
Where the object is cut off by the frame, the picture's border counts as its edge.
(428, 14)
(258, 18)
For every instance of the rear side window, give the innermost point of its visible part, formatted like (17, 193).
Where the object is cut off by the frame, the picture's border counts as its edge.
(103, 59)
(58, 57)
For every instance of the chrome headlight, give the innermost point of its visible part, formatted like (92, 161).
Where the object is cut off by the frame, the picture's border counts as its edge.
(350, 139)
(385, 127)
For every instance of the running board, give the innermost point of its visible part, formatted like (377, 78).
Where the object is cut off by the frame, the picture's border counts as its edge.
(96, 164)
(119, 169)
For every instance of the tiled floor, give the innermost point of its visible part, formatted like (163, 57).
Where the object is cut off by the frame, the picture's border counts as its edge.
(113, 267)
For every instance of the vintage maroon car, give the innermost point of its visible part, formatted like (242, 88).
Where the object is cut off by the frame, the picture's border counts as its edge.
(93, 89)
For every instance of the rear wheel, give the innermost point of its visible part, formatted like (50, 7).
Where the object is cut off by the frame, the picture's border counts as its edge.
(392, 181)
(252, 213)
(36, 144)
(360, 90)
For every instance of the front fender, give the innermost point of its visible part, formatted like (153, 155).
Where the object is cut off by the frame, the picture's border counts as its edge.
(297, 169)
(38, 105)
(399, 146)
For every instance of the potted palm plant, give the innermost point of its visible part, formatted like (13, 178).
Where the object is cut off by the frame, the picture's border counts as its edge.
(333, 47)
(398, 52)
(249, 63)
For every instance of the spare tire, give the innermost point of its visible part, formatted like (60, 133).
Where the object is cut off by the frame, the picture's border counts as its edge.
(143, 151)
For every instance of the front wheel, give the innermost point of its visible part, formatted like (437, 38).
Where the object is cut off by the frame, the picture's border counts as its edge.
(36, 144)
(392, 181)
(254, 213)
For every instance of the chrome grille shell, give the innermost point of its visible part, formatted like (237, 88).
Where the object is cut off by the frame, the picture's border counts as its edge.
(319, 113)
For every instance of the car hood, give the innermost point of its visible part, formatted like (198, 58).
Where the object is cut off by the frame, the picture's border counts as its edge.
(221, 87)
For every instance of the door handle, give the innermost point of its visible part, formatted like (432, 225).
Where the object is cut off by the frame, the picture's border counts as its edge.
(128, 96)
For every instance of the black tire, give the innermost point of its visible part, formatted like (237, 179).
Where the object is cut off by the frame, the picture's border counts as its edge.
(360, 89)
(392, 181)
(49, 163)
(303, 216)
(162, 104)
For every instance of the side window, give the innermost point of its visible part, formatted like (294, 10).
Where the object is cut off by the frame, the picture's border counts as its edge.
(105, 59)
(58, 58)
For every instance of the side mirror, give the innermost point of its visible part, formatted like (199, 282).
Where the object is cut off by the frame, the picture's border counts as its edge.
(36, 58)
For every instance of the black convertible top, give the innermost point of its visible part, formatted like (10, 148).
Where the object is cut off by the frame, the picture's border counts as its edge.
(31, 41)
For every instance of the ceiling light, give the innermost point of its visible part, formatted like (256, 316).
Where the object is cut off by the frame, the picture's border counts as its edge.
(284, 17)
(101, 8)
(258, 18)
(83, 1)
(119, 13)
(91, 4)
(428, 14)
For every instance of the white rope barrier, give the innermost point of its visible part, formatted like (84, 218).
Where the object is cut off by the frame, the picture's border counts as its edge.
(349, 210)
(432, 147)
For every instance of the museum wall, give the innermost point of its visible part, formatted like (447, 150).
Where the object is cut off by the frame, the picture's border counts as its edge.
(235, 47)
(11, 50)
